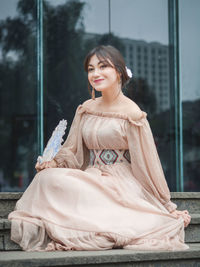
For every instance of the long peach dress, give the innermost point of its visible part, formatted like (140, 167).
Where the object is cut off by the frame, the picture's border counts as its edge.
(108, 192)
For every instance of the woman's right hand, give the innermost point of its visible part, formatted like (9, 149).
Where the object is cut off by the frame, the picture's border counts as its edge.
(45, 165)
(184, 214)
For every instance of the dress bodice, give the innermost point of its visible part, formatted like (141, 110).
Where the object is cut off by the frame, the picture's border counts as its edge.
(104, 132)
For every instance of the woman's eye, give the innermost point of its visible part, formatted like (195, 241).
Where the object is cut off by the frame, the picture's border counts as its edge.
(90, 69)
(103, 66)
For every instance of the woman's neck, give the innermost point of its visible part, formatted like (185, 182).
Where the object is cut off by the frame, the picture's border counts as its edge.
(110, 97)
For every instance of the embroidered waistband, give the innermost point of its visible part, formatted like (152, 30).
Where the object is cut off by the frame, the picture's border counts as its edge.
(108, 156)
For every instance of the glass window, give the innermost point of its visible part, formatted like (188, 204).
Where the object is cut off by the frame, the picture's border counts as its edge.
(154, 36)
(71, 29)
(65, 44)
(190, 84)
(18, 88)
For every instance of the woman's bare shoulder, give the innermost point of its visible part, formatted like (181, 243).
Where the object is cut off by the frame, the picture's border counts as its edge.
(88, 103)
(132, 109)
(91, 104)
(127, 106)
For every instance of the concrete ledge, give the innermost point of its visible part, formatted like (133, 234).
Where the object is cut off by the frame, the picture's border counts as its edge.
(5, 224)
(118, 257)
(180, 195)
(185, 195)
(10, 196)
(195, 218)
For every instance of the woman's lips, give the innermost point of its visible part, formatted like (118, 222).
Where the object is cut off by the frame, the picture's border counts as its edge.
(98, 80)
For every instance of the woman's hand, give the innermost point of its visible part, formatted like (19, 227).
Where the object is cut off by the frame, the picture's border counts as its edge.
(45, 165)
(184, 214)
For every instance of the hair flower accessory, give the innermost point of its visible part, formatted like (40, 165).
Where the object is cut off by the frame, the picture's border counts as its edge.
(129, 72)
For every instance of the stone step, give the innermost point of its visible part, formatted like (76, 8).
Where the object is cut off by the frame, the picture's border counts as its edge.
(7, 203)
(192, 233)
(186, 200)
(107, 258)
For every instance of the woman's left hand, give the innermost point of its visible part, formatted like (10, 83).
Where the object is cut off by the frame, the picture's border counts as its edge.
(184, 214)
(47, 164)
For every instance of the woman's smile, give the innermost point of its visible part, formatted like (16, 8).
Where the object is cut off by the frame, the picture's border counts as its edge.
(98, 80)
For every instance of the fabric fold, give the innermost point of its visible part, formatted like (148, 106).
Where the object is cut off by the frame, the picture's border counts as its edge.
(73, 153)
(146, 165)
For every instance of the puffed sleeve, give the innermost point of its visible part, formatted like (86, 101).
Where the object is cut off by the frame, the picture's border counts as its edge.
(73, 153)
(145, 162)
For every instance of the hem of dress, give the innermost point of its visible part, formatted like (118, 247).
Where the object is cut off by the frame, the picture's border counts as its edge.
(92, 240)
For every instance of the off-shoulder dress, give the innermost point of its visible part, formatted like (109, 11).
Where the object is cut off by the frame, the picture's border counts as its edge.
(109, 191)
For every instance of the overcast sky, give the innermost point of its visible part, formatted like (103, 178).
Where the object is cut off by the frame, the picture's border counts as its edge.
(143, 20)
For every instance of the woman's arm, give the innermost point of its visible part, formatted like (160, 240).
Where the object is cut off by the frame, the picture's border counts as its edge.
(73, 153)
(146, 165)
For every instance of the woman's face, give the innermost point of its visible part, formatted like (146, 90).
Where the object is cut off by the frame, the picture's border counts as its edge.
(101, 75)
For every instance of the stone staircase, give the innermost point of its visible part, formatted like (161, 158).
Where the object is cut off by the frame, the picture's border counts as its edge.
(11, 254)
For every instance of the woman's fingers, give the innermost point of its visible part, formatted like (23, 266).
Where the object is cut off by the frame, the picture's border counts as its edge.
(184, 214)
(42, 166)
(45, 165)
(37, 165)
(186, 222)
(186, 218)
(183, 211)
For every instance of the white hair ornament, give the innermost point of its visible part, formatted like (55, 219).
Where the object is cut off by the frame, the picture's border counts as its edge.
(129, 73)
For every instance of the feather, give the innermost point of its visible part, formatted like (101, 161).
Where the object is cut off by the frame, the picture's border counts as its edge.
(54, 143)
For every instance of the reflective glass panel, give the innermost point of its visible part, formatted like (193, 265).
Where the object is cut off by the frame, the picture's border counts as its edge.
(141, 26)
(190, 87)
(17, 93)
(139, 29)
(65, 84)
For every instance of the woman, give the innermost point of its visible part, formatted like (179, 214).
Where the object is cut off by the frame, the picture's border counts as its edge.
(105, 188)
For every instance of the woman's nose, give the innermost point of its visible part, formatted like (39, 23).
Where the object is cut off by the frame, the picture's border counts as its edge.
(96, 72)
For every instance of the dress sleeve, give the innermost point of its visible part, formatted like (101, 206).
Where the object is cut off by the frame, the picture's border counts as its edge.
(145, 162)
(73, 153)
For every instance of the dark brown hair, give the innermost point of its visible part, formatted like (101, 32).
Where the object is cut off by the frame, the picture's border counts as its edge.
(109, 53)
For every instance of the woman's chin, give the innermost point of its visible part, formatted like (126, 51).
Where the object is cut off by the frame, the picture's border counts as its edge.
(100, 89)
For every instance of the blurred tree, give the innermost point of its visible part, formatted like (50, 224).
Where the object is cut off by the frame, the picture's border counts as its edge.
(64, 80)
(139, 91)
